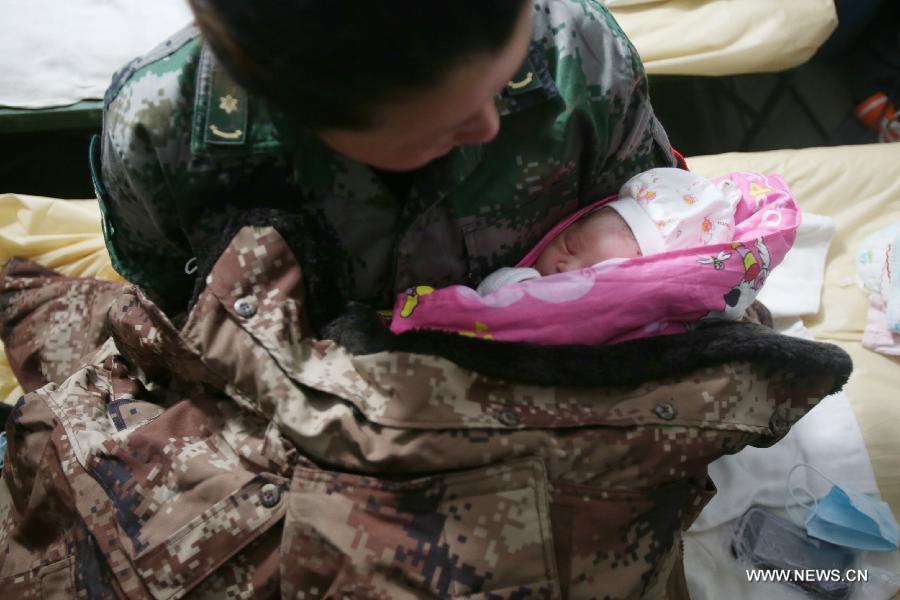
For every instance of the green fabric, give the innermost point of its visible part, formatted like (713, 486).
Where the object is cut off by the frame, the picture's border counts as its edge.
(576, 122)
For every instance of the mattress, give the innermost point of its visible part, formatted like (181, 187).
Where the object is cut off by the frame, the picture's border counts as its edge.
(858, 187)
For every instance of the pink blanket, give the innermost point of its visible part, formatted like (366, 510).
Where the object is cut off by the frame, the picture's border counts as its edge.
(623, 299)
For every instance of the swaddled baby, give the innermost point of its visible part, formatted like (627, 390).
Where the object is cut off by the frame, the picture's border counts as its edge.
(657, 211)
(672, 250)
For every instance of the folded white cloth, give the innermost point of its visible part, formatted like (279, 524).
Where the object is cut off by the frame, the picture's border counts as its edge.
(56, 52)
(794, 288)
(505, 276)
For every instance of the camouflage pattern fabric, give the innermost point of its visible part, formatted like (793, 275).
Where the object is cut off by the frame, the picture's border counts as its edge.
(52, 300)
(236, 456)
(184, 148)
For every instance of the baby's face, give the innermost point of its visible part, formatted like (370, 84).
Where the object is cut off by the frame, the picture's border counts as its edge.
(592, 239)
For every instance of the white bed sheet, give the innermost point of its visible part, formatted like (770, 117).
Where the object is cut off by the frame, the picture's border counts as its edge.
(58, 52)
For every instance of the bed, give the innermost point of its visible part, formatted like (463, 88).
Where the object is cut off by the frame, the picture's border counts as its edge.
(83, 42)
(858, 187)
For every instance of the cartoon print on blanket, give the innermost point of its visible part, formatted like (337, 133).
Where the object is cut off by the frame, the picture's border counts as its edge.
(756, 262)
(623, 299)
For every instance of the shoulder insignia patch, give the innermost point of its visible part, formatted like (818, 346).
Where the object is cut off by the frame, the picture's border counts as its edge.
(226, 110)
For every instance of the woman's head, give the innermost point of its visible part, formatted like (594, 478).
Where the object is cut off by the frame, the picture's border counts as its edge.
(392, 84)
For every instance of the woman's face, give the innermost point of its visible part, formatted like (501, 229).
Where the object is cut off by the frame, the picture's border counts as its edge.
(427, 125)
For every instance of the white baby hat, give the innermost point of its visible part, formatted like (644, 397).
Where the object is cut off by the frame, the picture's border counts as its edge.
(669, 209)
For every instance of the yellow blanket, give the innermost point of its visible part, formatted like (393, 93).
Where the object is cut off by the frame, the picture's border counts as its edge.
(61, 234)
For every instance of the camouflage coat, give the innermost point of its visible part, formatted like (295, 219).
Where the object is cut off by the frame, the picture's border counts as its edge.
(236, 455)
(184, 148)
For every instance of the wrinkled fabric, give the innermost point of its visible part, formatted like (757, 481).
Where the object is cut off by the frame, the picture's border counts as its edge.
(61, 234)
(622, 299)
(877, 263)
(670, 209)
(237, 455)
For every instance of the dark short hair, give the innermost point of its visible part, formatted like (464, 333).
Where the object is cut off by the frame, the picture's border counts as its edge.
(330, 63)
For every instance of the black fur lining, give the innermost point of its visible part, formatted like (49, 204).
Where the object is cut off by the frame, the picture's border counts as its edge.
(362, 331)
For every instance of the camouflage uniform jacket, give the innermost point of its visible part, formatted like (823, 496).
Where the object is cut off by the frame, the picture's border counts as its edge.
(183, 147)
(237, 456)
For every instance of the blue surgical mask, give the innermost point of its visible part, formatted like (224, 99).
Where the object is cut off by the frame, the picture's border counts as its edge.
(849, 518)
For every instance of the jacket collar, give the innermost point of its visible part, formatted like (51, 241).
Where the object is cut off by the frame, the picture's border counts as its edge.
(229, 122)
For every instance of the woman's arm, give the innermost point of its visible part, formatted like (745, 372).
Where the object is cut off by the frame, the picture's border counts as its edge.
(141, 222)
(145, 245)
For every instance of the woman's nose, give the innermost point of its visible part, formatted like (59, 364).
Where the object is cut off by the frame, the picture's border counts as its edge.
(481, 128)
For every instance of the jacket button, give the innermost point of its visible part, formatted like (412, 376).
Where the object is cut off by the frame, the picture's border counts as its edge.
(246, 307)
(269, 495)
(778, 424)
(508, 418)
(666, 411)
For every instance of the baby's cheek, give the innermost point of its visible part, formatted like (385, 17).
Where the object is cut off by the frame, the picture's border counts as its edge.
(542, 261)
(633, 248)
(548, 260)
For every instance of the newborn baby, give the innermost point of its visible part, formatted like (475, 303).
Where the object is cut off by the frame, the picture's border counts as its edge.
(659, 210)
(598, 236)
